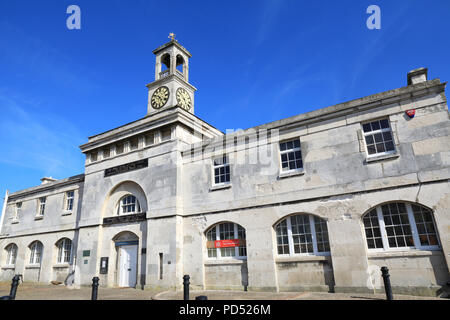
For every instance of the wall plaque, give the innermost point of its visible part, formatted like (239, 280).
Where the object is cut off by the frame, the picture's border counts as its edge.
(103, 265)
(126, 167)
(135, 217)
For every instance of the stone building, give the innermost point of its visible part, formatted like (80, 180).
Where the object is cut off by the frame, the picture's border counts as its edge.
(318, 201)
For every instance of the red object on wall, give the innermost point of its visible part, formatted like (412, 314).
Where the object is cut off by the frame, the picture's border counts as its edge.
(227, 243)
(411, 113)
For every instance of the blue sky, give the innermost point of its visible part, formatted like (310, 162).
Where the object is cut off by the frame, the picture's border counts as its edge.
(254, 62)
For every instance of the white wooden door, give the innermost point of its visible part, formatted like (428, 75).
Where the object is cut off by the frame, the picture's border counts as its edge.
(128, 266)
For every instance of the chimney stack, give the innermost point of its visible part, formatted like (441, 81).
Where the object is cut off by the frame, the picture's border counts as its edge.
(417, 76)
(47, 180)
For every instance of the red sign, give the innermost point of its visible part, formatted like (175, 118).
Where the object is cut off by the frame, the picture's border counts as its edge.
(227, 243)
(411, 113)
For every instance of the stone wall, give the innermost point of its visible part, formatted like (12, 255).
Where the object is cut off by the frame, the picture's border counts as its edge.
(339, 184)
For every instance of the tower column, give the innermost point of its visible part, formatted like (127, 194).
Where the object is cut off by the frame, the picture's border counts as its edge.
(157, 68)
(186, 71)
(173, 62)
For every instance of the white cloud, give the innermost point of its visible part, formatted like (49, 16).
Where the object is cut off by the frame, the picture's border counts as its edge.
(271, 10)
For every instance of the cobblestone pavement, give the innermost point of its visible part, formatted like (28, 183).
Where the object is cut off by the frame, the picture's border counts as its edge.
(27, 291)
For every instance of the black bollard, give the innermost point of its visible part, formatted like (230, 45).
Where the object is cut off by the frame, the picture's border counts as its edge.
(14, 285)
(201, 298)
(94, 288)
(186, 287)
(387, 283)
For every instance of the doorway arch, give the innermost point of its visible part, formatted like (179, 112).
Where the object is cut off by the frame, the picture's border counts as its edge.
(126, 244)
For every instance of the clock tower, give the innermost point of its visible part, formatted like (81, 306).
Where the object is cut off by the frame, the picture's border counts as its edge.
(171, 87)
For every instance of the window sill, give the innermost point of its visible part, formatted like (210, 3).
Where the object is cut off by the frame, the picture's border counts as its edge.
(66, 213)
(38, 217)
(61, 266)
(10, 267)
(390, 156)
(409, 253)
(33, 266)
(225, 262)
(220, 187)
(289, 174)
(15, 221)
(301, 259)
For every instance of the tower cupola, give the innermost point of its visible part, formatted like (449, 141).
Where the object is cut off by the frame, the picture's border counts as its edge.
(171, 87)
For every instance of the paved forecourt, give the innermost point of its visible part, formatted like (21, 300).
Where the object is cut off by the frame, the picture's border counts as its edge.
(29, 291)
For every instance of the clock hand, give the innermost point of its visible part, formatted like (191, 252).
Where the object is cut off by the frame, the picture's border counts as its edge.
(161, 95)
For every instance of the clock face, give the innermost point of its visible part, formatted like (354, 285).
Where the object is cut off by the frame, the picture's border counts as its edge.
(183, 99)
(160, 97)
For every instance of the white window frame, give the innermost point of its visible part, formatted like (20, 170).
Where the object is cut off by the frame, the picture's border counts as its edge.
(291, 239)
(17, 210)
(41, 206)
(62, 252)
(219, 252)
(35, 248)
(11, 256)
(223, 165)
(289, 151)
(414, 232)
(70, 199)
(364, 134)
(120, 206)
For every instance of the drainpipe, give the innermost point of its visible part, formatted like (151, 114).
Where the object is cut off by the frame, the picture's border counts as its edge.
(3, 211)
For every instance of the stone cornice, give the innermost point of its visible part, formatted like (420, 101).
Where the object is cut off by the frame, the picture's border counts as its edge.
(169, 78)
(25, 233)
(361, 104)
(176, 44)
(46, 187)
(335, 111)
(154, 121)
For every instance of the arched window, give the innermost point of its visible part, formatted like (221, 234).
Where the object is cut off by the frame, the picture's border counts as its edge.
(64, 250)
(180, 63)
(302, 234)
(226, 240)
(165, 61)
(11, 256)
(35, 252)
(128, 205)
(400, 225)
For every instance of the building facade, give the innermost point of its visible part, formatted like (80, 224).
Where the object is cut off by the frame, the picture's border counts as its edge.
(318, 201)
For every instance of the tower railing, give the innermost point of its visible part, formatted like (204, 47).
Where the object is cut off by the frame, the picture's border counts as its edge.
(164, 74)
(179, 73)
